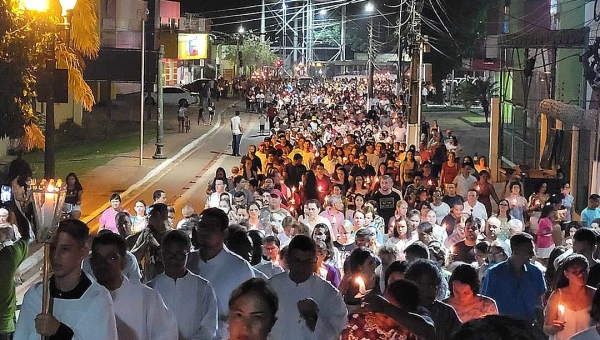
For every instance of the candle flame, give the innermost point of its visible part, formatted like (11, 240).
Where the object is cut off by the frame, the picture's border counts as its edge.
(50, 188)
(561, 309)
(361, 285)
(320, 188)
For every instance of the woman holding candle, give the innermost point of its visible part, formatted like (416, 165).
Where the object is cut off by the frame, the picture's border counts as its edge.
(324, 269)
(359, 186)
(408, 170)
(567, 311)
(485, 189)
(360, 278)
(504, 216)
(517, 203)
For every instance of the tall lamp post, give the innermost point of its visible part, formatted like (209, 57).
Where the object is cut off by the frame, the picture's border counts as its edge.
(370, 8)
(48, 199)
(67, 9)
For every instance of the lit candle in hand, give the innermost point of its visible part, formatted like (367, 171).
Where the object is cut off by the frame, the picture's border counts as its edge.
(320, 188)
(361, 285)
(430, 182)
(561, 313)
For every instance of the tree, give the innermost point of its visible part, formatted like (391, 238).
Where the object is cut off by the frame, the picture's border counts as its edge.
(26, 38)
(255, 53)
(481, 89)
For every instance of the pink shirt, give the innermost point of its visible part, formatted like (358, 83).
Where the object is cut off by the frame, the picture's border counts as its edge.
(107, 219)
(544, 226)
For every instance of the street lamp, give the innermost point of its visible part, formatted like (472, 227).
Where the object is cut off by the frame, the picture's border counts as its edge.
(48, 199)
(241, 30)
(67, 8)
(370, 8)
(323, 11)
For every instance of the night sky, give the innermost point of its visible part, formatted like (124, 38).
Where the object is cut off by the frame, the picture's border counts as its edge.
(226, 21)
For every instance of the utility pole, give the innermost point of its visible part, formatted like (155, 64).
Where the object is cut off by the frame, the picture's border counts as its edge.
(414, 115)
(400, 71)
(343, 38)
(370, 69)
(160, 137)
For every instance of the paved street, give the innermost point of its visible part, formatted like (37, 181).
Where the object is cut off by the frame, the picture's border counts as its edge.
(471, 139)
(193, 160)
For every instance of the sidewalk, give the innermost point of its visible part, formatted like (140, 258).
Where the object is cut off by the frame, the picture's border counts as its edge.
(125, 175)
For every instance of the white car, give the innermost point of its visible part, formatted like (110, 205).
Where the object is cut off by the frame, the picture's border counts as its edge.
(172, 95)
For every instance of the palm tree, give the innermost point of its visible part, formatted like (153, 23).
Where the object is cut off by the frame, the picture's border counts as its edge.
(25, 39)
(484, 89)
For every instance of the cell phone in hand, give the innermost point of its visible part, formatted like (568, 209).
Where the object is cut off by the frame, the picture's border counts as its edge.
(5, 193)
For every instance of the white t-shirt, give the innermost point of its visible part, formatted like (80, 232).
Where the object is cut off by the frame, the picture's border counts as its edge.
(236, 122)
(589, 334)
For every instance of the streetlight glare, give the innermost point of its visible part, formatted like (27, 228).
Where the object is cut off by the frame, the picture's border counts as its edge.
(323, 11)
(35, 5)
(67, 5)
(241, 30)
(369, 7)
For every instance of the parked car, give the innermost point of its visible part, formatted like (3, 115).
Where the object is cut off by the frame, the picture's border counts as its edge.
(172, 96)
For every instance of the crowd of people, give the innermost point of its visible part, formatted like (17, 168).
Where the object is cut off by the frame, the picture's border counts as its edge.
(332, 227)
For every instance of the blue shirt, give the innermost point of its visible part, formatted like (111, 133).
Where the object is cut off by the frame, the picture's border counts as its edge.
(589, 215)
(517, 297)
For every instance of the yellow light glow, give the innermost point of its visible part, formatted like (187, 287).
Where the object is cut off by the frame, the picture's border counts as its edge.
(35, 5)
(67, 5)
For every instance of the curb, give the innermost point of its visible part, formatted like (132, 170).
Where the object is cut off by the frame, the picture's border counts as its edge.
(150, 178)
(472, 123)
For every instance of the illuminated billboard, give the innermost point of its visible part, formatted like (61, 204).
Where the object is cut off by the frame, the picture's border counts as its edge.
(192, 46)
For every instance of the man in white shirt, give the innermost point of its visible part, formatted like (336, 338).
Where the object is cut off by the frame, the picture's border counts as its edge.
(441, 209)
(464, 180)
(312, 307)
(236, 131)
(140, 311)
(214, 198)
(190, 297)
(222, 268)
(82, 309)
(474, 207)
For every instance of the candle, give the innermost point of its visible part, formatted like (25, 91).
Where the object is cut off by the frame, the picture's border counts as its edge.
(561, 313)
(345, 159)
(514, 201)
(376, 179)
(477, 188)
(361, 285)
(320, 188)
(292, 201)
(293, 189)
(429, 182)
(368, 180)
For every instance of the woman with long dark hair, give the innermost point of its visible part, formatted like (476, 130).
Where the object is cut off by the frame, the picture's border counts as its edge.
(567, 311)
(73, 197)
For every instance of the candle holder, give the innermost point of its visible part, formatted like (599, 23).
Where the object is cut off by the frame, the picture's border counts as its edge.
(48, 199)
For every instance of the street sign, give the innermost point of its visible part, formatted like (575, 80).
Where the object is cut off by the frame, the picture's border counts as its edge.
(228, 74)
